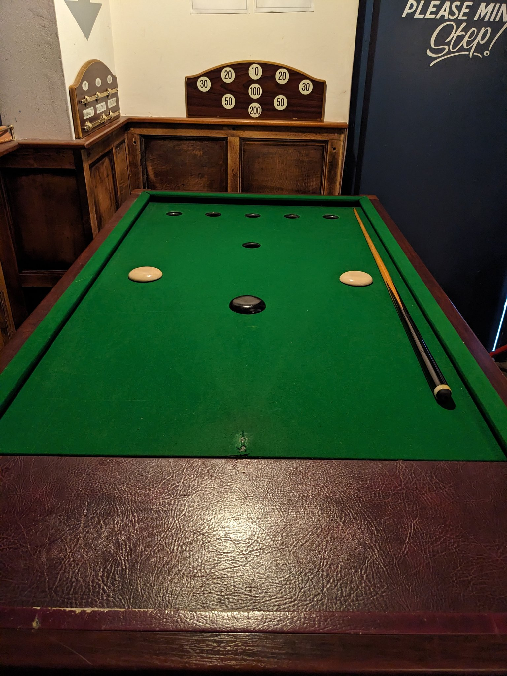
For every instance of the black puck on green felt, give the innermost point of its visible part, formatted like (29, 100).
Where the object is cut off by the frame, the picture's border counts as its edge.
(247, 305)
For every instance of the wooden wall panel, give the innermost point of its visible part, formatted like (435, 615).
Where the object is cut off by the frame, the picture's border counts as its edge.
(185, 163)
(102, 176)
(6, 320)
(279, 167)
(121, 172)
(9, 263)
(47, 220)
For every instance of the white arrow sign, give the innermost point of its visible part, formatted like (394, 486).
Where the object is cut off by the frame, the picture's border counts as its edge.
(85, 13)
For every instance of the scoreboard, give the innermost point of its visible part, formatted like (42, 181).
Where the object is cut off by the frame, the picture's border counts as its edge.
(255, 89)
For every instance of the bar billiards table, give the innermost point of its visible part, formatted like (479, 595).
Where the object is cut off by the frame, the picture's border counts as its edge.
(184, 486)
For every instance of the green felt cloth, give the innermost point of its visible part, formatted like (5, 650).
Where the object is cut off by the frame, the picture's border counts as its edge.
(166, 368)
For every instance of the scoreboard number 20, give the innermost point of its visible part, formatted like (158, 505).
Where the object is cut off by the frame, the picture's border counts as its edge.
(228, 74)
(282, 75)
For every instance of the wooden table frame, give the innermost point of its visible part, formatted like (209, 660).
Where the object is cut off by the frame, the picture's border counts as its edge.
(425, 588)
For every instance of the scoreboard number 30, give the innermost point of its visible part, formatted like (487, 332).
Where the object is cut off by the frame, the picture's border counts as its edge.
(204, 84)
(306, 87)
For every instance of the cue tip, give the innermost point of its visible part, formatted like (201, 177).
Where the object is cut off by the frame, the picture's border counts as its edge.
(443, 393)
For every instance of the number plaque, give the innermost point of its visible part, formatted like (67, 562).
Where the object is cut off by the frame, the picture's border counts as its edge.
(255, 90)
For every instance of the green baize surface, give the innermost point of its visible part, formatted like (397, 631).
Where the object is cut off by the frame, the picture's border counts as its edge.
(167, 369)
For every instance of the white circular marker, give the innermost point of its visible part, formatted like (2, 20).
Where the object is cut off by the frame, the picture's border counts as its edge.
(109, 79)
(85, 86)
(228, 101)
(228, 74)
(145, 274)
(255, 71)
(255, 91)
(282, 75)
(356, 278)
(281, 102)
(306, 87)
(204, 84)
(98, 82)
(254, 110)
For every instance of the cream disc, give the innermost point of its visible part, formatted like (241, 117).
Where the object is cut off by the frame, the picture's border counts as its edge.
(145, 274)
(356, 278)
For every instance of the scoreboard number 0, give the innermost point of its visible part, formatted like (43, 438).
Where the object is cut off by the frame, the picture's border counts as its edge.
(255, 71)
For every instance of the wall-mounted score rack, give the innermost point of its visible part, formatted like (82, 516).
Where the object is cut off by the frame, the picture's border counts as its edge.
(255, 89)
(94, 98)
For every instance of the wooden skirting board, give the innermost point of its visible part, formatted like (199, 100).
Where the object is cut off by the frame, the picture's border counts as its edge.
(55, 196)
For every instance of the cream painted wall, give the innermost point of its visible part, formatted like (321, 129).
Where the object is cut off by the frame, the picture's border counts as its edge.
(32, 87)
(75, 48)
(158, 42)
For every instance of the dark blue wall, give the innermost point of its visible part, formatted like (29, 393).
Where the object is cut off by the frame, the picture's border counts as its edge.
(431, 142)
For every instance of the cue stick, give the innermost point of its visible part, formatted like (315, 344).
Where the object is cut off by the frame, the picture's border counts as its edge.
(441, 390)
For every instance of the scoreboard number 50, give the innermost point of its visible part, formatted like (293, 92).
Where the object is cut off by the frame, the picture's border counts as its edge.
(281, 102)
(228, 101)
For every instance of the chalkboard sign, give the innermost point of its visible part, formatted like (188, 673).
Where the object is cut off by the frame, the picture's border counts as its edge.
(430, 139)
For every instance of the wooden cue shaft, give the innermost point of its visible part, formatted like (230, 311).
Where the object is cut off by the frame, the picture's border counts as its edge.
(440, 386)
